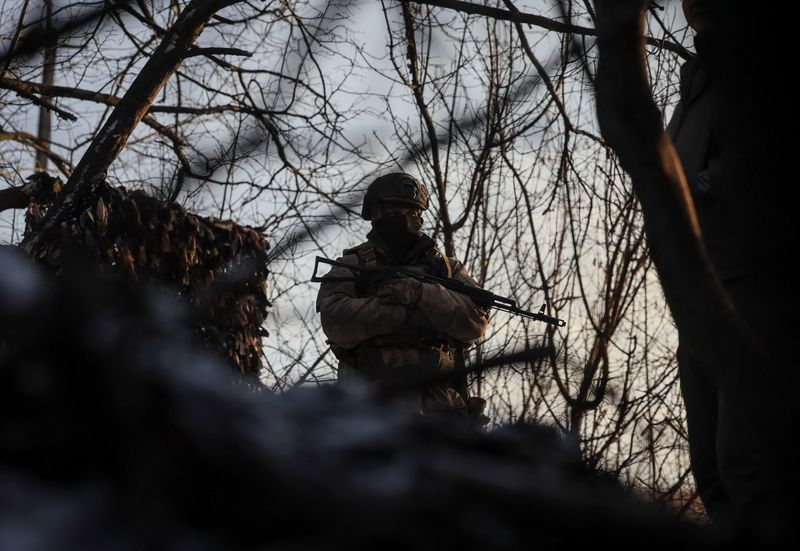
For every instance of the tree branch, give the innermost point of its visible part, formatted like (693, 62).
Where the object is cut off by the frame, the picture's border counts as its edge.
(29, 139)
(27, 92)
(218, 51)
(540, 21)
(27, 89)
(43, 35)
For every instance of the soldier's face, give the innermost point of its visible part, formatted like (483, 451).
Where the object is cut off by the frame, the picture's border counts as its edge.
(397, 219)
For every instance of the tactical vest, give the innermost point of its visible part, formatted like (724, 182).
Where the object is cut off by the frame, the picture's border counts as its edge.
(439, 351)
(433, 262)
(432, 259)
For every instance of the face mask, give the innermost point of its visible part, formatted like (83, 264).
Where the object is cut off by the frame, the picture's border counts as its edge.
(399, 231)
(398, 224)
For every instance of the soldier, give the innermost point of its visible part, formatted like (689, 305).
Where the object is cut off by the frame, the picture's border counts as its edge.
(401, 329)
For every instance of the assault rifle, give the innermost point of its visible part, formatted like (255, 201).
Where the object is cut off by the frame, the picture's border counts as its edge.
(478, 295)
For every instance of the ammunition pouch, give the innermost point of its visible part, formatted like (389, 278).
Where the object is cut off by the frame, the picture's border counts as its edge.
(395, 358)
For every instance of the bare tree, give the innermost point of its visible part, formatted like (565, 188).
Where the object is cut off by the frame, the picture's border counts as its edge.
(279, 114)
(530, 196)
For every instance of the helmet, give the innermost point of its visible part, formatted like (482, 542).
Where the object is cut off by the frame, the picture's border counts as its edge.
(396, 187)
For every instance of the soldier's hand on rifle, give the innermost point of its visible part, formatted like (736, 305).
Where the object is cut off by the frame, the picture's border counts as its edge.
(406, 291)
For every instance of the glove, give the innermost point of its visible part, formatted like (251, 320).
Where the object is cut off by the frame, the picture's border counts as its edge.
(406, 291)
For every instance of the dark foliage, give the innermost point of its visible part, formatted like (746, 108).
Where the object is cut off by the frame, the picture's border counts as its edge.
(118, 432)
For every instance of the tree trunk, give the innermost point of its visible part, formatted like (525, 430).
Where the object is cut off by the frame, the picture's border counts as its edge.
(45, 117)
(630, 122)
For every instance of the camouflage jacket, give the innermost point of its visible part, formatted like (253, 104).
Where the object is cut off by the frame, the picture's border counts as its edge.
(352, 315)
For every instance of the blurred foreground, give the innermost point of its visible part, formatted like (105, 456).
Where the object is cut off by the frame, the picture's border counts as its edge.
(119, 431)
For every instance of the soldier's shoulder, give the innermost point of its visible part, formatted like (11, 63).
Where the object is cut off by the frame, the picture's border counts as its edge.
(360, 254)
(442, 264)
(454, 263)
(366, 245)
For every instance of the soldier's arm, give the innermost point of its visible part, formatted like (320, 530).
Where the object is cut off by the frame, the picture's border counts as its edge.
(452, 313)
(348, 320)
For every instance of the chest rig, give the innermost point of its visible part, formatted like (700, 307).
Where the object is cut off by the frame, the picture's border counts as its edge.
(431, 261)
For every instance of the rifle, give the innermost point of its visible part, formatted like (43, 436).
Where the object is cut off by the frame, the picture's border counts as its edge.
(480, 296)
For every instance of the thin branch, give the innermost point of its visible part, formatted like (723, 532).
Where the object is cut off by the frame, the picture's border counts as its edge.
(29, 139)
(43, 36)
(25, 92)
(540, 21)
(15, 39)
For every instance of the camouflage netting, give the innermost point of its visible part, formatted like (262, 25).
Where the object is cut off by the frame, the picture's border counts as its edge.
(219, 267)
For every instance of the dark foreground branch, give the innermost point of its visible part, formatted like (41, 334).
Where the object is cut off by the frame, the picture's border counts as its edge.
(138, 438)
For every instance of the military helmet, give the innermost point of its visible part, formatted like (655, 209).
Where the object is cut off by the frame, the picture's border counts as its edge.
(397, 187)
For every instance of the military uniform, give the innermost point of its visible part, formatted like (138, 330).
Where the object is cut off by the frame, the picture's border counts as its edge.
(401, 329)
